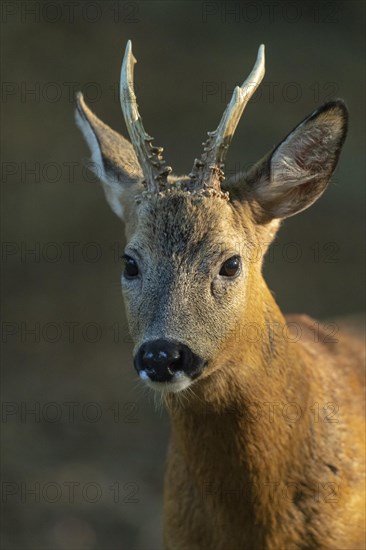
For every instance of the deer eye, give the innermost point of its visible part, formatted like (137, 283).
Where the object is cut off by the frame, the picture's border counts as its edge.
(131, 267)
(231, 267)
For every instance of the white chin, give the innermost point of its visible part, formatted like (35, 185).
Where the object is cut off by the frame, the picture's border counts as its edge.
(179, 382)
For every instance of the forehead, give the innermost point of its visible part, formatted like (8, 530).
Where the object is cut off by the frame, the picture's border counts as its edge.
(179, 224)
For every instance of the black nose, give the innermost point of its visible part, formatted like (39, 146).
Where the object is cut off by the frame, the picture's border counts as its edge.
(161, 359)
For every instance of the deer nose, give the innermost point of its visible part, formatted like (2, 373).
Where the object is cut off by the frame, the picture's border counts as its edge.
(161, 360)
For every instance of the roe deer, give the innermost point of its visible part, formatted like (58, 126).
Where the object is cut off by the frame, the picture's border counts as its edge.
(252, 463)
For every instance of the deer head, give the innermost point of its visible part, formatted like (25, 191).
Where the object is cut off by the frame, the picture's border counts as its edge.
(192, 270)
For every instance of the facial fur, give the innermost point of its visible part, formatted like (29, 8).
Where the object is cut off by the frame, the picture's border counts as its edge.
(179, 243)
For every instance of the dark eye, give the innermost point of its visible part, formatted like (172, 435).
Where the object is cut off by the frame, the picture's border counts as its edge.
(231, 267)
(131, 267)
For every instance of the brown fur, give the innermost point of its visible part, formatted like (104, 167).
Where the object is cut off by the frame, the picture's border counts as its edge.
(244, 471)
(267, 444)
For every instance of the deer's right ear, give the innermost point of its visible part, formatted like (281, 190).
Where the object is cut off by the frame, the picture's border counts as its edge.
(113, 157)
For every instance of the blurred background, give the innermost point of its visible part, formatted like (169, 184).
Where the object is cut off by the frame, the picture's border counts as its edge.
(83, 444)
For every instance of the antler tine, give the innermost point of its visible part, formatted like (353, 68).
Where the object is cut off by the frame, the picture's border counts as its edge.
(208, 171)
(150, 158)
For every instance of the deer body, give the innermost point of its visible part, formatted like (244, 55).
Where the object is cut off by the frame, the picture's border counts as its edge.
(267, 440)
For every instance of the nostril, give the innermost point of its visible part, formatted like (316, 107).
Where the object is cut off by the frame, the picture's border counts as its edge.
(174, 366)
(175, 363)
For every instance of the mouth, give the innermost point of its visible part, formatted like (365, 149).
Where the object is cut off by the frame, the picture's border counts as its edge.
(179, 382)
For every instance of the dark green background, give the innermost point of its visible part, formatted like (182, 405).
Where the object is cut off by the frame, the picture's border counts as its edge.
(314, 51)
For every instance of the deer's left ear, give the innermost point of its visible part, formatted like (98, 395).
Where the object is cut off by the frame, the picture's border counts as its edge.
(297, 171)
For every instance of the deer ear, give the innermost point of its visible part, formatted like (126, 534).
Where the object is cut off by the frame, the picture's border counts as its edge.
(113, 157)
(295, 174)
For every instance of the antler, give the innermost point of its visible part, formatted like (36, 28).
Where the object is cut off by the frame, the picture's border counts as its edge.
(150, 158)
(208, 170)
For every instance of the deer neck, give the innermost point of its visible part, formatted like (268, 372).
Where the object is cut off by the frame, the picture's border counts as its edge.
(236, 430)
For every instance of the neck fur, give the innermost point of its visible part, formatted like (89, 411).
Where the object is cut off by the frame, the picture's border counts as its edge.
(236, 429)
